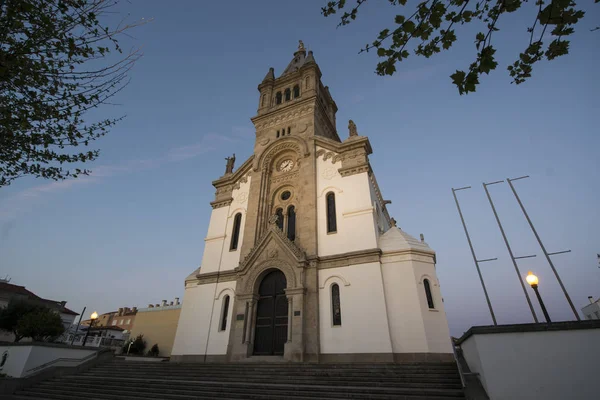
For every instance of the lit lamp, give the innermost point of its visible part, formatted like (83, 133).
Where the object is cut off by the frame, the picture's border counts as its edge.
(533, 282)
(93, 319)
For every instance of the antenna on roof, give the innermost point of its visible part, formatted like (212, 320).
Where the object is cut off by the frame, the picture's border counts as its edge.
(5, 279)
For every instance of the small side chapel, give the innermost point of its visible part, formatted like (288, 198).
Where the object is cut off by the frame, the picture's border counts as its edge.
(302, 261)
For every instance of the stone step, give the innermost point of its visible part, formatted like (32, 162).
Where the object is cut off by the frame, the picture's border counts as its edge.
(285, 371)
(377, 381)
(202, 383)
(279, 374)
(257, 392)
(92, 396)
(322, 390)
(263, 366)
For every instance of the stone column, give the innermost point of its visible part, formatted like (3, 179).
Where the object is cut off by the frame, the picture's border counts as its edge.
(242, 331)
(294, 348)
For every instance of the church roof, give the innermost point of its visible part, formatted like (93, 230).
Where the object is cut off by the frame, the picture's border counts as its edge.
(395, 239)
(299, 60)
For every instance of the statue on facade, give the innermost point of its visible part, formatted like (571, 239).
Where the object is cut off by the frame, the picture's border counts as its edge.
(230, 164)
(352, 128)
(300, 45)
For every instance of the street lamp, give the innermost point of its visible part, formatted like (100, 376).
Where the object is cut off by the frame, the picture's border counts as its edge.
(533, 282)
(93, 318)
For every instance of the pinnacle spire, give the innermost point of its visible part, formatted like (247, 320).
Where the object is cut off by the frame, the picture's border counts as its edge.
(270, 75)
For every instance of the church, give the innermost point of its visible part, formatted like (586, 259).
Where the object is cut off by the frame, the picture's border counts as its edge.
(302, 261)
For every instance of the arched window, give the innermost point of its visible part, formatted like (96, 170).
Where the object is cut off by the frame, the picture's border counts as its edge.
(331, 216)
(263, 101)
(224, 313)
(235, 234)
(278, 98)
(289, 130)
(296, 91)
(277, 133)
(428, 293)
(288, 94)
(336, 309)
(279, 214)
(291, 223)
(307, 82)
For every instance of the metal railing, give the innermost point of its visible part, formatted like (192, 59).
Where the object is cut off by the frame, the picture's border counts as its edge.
(457, 361)
(50, 363)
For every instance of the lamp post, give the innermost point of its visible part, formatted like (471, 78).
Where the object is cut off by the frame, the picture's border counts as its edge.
(533, 282)
(93, 318)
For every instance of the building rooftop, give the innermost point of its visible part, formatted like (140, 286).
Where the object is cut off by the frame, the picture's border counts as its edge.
(22, 291)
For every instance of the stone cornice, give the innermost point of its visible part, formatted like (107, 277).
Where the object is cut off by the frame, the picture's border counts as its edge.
(350, 258)
(221, 203)
(308, 101)
(355, 169)
(213, 277)
(357, 142)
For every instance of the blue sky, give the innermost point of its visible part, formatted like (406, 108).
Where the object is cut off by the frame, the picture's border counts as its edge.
(128, 235)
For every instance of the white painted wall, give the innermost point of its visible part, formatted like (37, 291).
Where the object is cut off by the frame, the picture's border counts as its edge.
(22, 360)
(403, 306)
(354, 210)
(192, 330)
(217, 256)
(551, 365)
(364, 326)
(219, 340)
(437, 332)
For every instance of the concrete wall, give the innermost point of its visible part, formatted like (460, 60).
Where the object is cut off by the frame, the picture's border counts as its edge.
(158, 325)
(364, 326)
(24, 360)
(549, 365)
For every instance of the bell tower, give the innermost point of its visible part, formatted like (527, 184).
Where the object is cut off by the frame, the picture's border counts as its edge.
(292, 109)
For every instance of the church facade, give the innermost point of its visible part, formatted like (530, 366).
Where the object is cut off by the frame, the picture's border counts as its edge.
(302, 260)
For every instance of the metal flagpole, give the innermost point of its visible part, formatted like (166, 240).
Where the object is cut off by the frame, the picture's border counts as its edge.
(487, 298)
(542, 246)
(512, 257)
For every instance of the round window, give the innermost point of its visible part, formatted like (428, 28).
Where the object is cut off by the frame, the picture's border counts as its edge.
(286, 195)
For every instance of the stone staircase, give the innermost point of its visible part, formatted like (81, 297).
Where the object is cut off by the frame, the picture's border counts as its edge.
(135, 380)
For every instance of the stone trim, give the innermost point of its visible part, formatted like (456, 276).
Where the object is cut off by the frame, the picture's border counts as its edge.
(353, 170)
(350, 258)
(533, 327)
(210, 239)
(221, 203)
(353, 213)
(213, 277)
(408, 255)
(297, 290)
(287, 243)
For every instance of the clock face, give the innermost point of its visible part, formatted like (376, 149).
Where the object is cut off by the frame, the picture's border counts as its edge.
(286, 165)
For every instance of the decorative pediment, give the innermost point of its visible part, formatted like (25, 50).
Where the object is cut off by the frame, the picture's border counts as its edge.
(272, 245)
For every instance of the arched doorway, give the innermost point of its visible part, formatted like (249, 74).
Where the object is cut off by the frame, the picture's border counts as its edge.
(270, 333)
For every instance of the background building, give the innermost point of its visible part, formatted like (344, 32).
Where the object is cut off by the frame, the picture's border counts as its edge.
(10, 292)
(158, 324)
(592, 310)
(122, 318)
